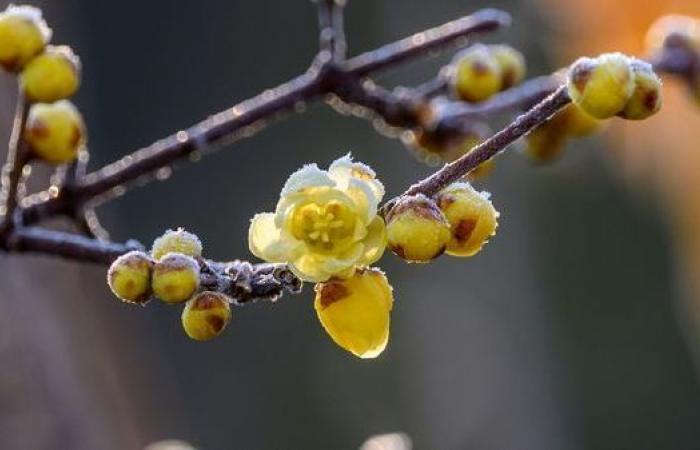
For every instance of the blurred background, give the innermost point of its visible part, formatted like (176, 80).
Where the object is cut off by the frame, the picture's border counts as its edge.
(574, 329)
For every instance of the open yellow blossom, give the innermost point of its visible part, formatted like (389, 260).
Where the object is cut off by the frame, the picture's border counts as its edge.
(326, 222)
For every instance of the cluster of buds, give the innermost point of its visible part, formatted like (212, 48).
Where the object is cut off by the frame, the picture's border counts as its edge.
(171, 273)
(48, 76)
(614, 84)
(459, 221)
(474, 75)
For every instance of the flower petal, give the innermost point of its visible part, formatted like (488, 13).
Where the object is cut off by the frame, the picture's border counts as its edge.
(364, 198)
(318, 268)
(342, 170)
(268, 242)
(306, 177)
(374, 243)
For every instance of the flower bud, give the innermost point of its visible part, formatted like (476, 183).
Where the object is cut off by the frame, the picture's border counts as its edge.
(601, 86)
(355, 311)
(545, 143)
(472, 218)
(417, 231)
(576, 122)
(55, 132)
(23, 34)
(129, 277)
(51, 76)
(646, 98)
(176, 241)
(512, 64)
(475, 75)
(674, 31)
(206, 315)
(175, 278)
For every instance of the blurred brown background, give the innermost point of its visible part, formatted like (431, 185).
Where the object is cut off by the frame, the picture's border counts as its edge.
(570, 331)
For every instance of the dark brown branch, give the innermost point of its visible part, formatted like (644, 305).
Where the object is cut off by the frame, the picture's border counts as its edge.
(332, 28)
(519, 127)
(249, 116)
(422, 43)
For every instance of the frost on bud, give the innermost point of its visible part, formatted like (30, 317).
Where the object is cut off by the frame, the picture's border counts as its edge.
(206, 315)
(475, 75)
(417, 230)
(23, 34)
(51, 76)
(55, 132)
(512, 64)
(674, 31)
(176, 241)
(355, 311)
(175, 278)
(472, 218)
(601, 86)
(129, 277)
(646, 98)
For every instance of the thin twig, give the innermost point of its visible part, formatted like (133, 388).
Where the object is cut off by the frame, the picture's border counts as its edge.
(17, 158)
(332, 28)
(490, 147)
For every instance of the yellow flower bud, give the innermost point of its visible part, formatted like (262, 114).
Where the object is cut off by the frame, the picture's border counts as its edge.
(23, 34)
(472, 217)
(55, 132)
(175, 278)
(646, 99)
(206, 315)
(417, 230)
(512, 64)
(129, 277)
(482, 171)
(176, 241)
(674, 31)
(545, 143)
(53, 75)
(601, 86)
(475, 75)
(355, 312)
(576, 121)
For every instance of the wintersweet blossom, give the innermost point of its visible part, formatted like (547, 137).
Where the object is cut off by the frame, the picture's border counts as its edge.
(325, 223)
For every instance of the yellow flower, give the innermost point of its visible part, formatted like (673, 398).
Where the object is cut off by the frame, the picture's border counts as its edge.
(325, 223)
(55, 131)
(355, 312)
(51, 76)
(601, 86)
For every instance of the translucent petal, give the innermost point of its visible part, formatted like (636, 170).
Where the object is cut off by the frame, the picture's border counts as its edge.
(364, 198)
(374, 243)
(269, 242)
(344, 169)
(317, 268)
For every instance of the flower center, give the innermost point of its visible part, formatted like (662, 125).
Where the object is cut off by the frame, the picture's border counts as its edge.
(325, 227)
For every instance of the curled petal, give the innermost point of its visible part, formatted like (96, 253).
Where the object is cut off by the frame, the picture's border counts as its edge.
(319, 195)
(342, 170)
(374, 243)
(308, 176)
(269, 242)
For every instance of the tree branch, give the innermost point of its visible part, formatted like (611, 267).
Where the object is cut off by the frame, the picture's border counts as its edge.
(17, 159)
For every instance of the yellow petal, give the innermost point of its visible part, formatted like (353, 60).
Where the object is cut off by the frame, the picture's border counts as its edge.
(364, 198)
(355, 312)
(308, 176)
(268, 242)
(342, 170)
(317, 267)
(374, 243)
(319, 195)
